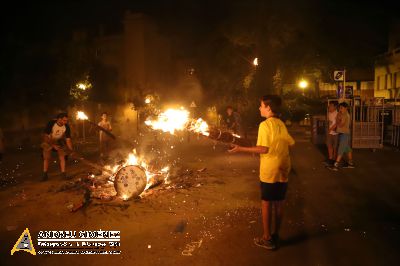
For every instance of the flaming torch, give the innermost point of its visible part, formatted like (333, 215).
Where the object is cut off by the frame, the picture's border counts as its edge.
(179, 119)
(82, 116)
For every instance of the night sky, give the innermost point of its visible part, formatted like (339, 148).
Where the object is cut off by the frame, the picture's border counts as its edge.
(359, 24)
(345, 33)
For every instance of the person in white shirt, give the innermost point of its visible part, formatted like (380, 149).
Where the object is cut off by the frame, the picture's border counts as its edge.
(57, 135)
(103, 137)
(332, 136)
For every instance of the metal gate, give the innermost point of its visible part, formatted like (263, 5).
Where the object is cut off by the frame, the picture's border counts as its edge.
(395, 137)
(368, 123)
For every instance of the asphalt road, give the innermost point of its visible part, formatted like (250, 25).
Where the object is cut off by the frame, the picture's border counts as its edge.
(210, 216)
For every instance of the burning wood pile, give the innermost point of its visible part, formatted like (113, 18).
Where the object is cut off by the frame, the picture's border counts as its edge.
(131, 177)
(125, 180)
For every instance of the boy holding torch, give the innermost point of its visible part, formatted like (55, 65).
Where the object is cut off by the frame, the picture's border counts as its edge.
(273, 143)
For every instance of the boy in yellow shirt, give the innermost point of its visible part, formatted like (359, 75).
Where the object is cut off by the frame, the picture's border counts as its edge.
(273, 143)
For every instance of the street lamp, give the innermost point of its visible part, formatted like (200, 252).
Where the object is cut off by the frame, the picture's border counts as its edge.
(255, 61)
(81, 86)
(303, 84)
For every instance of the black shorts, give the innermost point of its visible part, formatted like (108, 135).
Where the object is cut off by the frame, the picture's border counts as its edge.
(273, 191)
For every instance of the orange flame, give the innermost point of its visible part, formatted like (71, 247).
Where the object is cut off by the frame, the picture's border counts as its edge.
(81, 116)
(170, 121)
(177, 120)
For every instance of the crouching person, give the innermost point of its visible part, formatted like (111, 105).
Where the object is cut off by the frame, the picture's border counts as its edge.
(56, 137)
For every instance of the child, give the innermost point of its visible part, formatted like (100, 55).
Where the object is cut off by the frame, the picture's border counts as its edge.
(273, 146)
(343, 128)
(103, 138)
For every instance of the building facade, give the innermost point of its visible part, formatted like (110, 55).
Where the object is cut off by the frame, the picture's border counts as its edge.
(387, 68)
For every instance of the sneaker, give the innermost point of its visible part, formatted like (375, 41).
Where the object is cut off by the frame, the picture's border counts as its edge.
(276, 239)
(334, 167)
(349, 165)
(267, 244)
(44, 177)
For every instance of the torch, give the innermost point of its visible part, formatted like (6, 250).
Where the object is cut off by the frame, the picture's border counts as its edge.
(82, 116)
(178, 119)
(227, 137)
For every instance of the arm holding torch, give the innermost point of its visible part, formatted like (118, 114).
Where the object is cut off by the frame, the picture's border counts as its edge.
(254, 149)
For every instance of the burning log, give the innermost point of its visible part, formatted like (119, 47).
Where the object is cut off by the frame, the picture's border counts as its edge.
(228, 137)
(179, 119)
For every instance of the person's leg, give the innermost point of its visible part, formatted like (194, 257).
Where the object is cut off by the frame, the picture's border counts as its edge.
(61, 157)
(278, 206)
(330, 152)
(335, 145)
(341, 149)
(46, 158)
(106, 148)
(350, 156)
(101, 147)
(266, 218)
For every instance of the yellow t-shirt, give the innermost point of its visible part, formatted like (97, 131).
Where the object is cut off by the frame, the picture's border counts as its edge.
(275, 164)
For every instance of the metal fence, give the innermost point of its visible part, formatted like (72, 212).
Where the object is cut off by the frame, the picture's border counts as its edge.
(368, 123)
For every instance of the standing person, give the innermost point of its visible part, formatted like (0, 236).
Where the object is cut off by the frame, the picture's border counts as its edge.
(273, 143)
(332, 137)
(343, 128)
(57, 135)
(103, 137)
(232, 120)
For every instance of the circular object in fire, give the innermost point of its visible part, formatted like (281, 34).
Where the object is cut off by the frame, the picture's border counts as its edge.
(130, 181)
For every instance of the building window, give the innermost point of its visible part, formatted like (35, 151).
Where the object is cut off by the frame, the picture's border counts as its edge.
(395, 80)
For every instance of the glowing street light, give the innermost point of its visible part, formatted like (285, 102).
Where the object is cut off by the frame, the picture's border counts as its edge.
(147, 101)
(303, 84)
(255, 61)
(81, 86)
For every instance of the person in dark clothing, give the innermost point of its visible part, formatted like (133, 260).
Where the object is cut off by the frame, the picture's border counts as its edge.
(232, 120)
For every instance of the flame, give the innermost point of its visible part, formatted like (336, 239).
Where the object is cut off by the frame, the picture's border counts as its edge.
(170, 121)
(199, 126)
(255, 61)
(133, 159)
(81, 116)
(178, 119)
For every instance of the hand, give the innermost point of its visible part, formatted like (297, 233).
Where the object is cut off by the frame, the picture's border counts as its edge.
(56, 147)
(234, 148)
